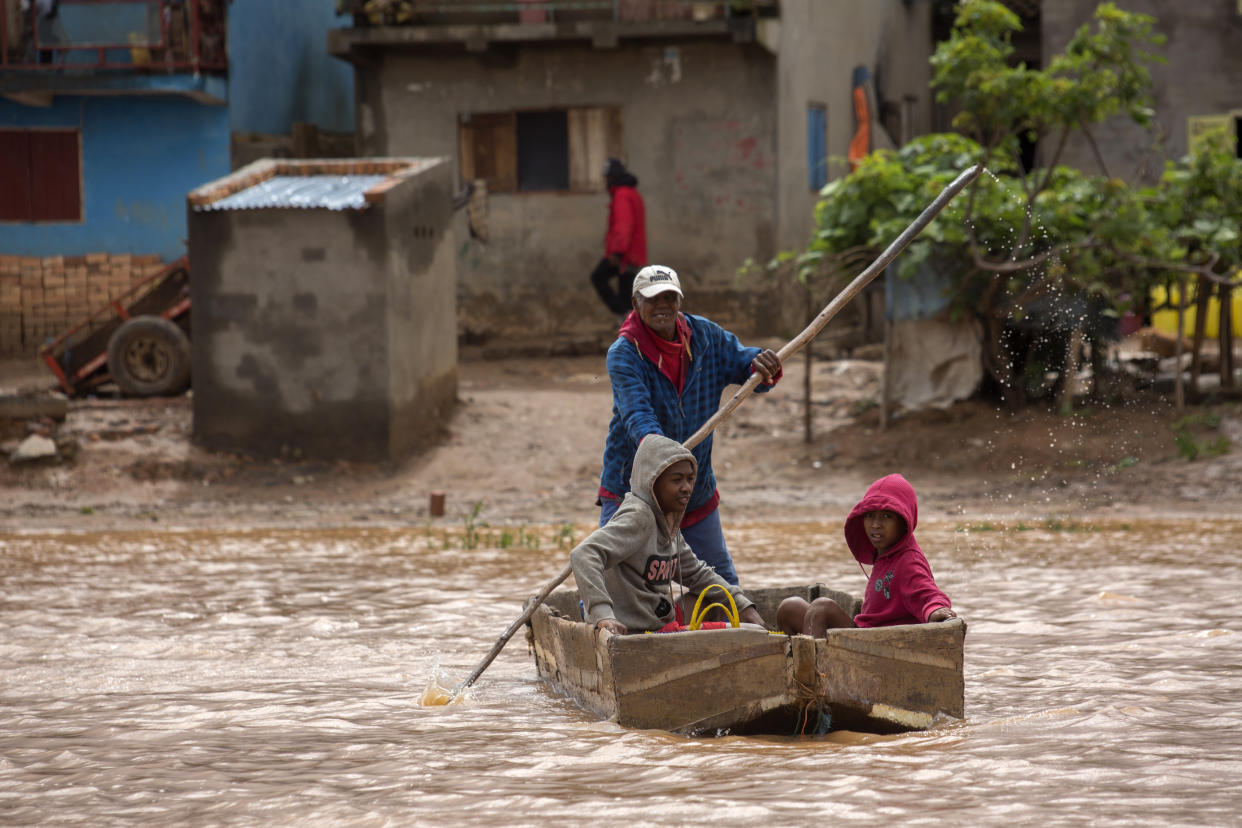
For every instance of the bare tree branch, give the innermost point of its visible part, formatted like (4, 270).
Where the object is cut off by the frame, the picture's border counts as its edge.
(1025, 264)
(1056, 156)
(1205, 270)
(1099, 159)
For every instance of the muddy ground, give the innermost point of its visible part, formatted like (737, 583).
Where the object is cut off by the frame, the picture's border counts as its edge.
(523, 447)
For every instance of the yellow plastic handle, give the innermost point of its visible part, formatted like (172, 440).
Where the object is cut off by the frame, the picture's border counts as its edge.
(696, 617)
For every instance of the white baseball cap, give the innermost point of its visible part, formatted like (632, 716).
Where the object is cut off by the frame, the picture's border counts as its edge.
(653, 280)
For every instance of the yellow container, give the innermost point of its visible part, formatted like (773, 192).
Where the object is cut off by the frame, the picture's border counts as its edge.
(1165, 320)
(139, 55)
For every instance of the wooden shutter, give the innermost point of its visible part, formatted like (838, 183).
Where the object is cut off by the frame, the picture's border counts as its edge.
(56, 176)
(488, 148)
(594, 136)
(15, 175)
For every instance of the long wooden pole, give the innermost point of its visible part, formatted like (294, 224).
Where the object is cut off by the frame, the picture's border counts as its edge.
(794, 345)
(531, 606)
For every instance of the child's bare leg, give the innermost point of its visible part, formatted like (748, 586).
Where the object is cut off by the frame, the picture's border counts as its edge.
(791, 614)
(822, 615)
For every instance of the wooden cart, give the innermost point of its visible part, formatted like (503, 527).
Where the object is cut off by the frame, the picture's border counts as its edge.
(139, 340)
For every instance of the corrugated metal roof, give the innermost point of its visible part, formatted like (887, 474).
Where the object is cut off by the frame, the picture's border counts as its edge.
(323, 192)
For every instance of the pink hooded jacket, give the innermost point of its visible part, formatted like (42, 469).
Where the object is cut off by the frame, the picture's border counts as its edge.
(900, 589)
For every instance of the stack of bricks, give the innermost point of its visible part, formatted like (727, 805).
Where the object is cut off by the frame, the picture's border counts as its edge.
(41, 298)
(99, 283)
(34, 306)
(10, 305)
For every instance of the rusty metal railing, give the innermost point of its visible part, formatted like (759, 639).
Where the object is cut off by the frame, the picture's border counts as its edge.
(191, 38)
(433, 12)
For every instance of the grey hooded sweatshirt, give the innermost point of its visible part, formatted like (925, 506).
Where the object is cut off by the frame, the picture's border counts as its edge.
(625, 569)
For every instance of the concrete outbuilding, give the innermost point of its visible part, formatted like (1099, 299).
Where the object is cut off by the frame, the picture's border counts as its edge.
(324, 311)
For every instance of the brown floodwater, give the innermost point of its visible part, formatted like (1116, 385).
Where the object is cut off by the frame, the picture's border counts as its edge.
(274, 678)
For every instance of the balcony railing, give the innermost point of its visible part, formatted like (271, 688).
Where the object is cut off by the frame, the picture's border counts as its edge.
(117, 35)
(481, 12)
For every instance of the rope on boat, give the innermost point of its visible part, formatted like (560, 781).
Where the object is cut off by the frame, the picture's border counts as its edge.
(809, 697)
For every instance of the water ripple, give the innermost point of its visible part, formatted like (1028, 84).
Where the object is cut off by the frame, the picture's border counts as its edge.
(277, 677)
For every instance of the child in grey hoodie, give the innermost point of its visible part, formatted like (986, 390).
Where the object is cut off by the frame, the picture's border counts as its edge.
(626, 568)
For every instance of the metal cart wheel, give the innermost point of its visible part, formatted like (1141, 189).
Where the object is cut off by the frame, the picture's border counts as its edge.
(149, 356)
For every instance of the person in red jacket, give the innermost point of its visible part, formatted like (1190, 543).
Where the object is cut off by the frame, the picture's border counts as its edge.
(625, 246)
(900, 589)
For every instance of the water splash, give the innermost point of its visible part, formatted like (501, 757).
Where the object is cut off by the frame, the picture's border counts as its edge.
(439, 690)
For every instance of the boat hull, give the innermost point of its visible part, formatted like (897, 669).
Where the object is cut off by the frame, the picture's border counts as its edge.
(886, 679)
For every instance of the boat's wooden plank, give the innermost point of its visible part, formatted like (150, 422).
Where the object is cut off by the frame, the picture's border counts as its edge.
(692, 677)
(677, 655)
(565, 602)
(740, 717)
(935, 645)
(572, 657)
(732, 695)
(875, 672)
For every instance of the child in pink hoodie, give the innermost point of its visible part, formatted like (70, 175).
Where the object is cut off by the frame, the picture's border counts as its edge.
(900, 588)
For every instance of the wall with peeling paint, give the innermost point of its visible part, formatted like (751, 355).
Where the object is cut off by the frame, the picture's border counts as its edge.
(140, 155)
(279, 70)
(698, 123)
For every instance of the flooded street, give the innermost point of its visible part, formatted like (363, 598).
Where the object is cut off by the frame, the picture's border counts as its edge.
(273, 678)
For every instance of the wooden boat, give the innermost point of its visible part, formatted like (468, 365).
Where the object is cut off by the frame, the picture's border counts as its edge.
(745, 680)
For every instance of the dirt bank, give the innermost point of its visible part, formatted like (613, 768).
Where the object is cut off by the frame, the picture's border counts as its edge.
(524, 447)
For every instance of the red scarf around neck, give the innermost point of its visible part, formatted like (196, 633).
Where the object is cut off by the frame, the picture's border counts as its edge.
(670, 358)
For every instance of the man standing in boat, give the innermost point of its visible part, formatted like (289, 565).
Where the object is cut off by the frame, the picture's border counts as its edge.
(668, 370)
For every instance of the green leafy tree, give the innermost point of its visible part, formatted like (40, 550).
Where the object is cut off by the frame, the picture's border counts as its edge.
(1020, 242)
(1194, 242)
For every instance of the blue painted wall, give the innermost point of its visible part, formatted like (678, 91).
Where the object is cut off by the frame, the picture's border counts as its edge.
(140, 156)
(280, 70)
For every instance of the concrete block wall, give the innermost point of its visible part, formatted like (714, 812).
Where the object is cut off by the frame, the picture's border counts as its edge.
(326, 334)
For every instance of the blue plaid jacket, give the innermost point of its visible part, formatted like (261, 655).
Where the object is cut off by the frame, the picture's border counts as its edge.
(644, 401)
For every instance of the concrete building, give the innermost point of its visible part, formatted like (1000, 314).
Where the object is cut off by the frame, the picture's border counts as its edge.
(99, 144)
(111, 111)
(324, 319)
(728, 120)
(1195, 89)
(152, 117)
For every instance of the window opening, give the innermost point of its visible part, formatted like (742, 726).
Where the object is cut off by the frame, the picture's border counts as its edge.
(543, 150)
(539, 150)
